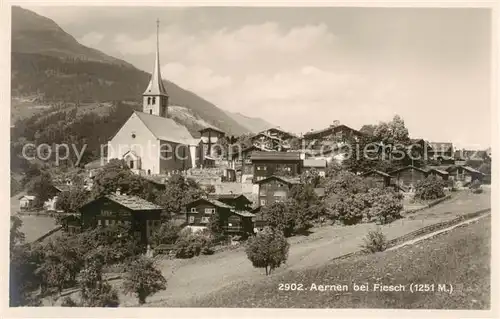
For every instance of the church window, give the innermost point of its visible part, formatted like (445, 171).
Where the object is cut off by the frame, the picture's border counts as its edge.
(149, 100)
(133, 135)
(131, 164)
(154, 100)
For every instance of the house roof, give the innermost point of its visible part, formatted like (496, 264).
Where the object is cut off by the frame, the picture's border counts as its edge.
(408, 167)
(314, 163)
(244, 213)
(467, 168)
(28, 197)
(274, 155)
(134, 203)
(212, 201)
(287, 180)
(166, 129)
(333, 129)
(439, 171)
(228, 196)
(374, 171)
(235, 153)
(211, 128)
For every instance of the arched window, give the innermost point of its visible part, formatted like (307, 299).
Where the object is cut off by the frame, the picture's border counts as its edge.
(149, 100)
(154, 100)
(149, 172)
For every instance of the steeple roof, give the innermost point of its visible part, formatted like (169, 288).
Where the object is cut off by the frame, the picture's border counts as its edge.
(156, 86)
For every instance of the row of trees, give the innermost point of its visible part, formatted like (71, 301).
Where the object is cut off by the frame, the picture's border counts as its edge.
(40, 270)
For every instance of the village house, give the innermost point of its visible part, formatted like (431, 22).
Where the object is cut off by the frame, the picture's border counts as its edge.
(151, 142)
(335, 132)
(406, 178)
(238, 201)
(26, 202)
(318, 165)
(267, 164)
(275, 189)
(210, 136)
(234, 222)
(442, 152)
(376, 178)
(438, 173)
(115, 209)
(274, 139)
(464, 175)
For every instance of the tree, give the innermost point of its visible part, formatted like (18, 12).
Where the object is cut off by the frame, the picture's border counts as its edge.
(430, 188)
(268, 249)
(166, 234)
(70, 200)
(280, 217)
(179, 191)
(16, 235)
(143, 279)
(385, 205)
(311, 177)
(42, 188)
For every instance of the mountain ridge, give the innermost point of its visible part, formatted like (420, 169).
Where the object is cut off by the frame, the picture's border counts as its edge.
(52, 67)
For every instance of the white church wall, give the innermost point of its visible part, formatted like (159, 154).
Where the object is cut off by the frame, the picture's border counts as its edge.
(144, 144)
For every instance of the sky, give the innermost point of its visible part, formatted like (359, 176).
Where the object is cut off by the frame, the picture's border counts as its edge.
(303, 68)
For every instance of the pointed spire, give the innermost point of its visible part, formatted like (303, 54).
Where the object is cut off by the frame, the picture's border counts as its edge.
(156, 86)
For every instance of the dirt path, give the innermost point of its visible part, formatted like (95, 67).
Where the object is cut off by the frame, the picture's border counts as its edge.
(203, 275)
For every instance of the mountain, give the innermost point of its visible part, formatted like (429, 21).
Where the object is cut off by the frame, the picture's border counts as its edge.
(254, 124)
(49, 67)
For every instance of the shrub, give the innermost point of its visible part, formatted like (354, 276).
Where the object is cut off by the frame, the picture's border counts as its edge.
(430, 188)
(268, 249)
(143, 279)
(385, 205)
(192, 244)
(168, 233)
(68, 302)
(350, 209)
(375, 241)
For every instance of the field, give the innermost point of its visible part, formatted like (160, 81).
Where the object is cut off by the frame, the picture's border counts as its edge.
(192, 279)
(460, 259)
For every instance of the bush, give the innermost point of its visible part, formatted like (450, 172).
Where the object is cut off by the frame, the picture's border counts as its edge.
(375, 241)
(430, 188)
(385, 205)
(268, 249)
(349, 209)
(68, 302)
(143, 279)
(190, 244)
(168, 233)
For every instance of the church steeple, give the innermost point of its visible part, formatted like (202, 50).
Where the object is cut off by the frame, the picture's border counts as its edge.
(155, 98)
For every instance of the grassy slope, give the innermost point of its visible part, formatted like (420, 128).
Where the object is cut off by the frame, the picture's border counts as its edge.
(460, 258)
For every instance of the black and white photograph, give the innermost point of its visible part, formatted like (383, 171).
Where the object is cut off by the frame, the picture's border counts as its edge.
(250, 157)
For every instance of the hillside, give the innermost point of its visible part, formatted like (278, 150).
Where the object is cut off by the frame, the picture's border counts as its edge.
(254, 124)
(50, 67)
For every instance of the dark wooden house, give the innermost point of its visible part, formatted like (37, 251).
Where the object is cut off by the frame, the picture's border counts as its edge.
(267, 164)
(318, 165)
(406, 178)
(376, 178)
(241, 158)
(210, 136)
(275, 189)
(233, 221)
(238, 201)
(273, 139)
(464, 174)
(341, 133)
(142, 215)
(438, 173)
(442, 152)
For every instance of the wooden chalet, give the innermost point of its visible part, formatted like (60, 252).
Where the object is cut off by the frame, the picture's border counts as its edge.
(317, 164)
(234, 221)
(406, 178)
(273, 139)
(116, 208)
(333, 132)
(464, 174)
(377, 178)
(275, 189)
(210, 136)
(438, 173)
(267, 164)
(241, 158)
(443, 152)
(237, 201)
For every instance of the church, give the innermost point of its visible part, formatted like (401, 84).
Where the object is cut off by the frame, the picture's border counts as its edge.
(150, 142)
